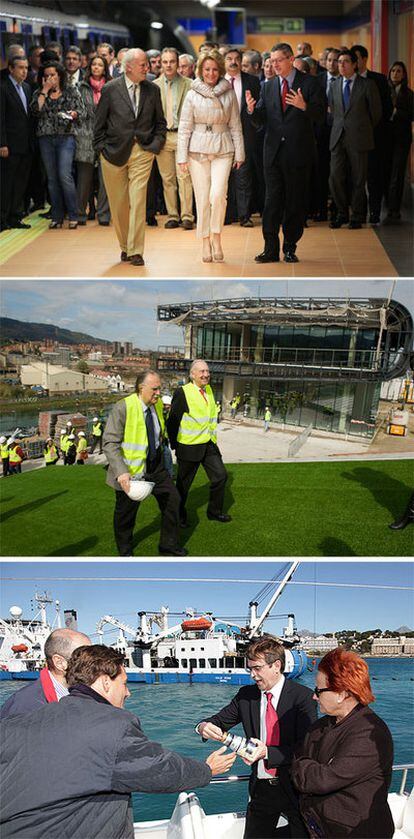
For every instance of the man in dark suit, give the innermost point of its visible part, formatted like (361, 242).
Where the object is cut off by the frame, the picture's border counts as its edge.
(248, 181)
(355, 106)
(73, 66)
(291, 106)
(192, 432)
(277, 713)
(377, 157)
(16, 143)
(130, 129)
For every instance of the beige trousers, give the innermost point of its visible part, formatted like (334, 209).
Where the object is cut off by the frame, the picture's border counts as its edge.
(171, 176)
(210, 178)
(126, 187)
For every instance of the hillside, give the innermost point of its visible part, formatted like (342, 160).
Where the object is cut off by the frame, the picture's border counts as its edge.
(17, 330)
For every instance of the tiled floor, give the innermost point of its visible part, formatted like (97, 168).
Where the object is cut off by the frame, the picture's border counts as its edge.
(93, 251)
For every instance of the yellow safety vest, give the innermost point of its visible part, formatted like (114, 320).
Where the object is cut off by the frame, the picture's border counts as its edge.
(199, 425)
(14, 457)
(134, 446)
(64, 442)
(82, 445)
(97, 430)
(4, 452)
(267, 416)
(50, 453)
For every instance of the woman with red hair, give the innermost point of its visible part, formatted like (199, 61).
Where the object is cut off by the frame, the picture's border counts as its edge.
(343, 767)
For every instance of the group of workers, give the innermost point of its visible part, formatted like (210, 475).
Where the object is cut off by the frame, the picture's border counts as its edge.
(12, 456)
(73, 448)
(72, 755)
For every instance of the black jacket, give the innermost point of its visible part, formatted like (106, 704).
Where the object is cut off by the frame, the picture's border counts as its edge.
(69, 768)
(294, 128)
(296, 711)
(16, 126)
(116, 126)
(29, 698)
(179, 406)
(343, 773)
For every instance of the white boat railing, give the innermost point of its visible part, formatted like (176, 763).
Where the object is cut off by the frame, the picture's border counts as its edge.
(398, 767)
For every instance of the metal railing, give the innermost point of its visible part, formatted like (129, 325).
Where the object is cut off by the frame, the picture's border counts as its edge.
(398, 767)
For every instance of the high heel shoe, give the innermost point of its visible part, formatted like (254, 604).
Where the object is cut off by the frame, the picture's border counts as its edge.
(217, 251)
(207, 251)
(55, 225)
(73, 225)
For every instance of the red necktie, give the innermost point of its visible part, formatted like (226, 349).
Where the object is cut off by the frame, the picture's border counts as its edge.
(272, 729)
(285, 89)
(203, 394)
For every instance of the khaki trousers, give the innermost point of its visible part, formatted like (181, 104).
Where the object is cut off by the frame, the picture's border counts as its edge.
(126, 187)
(171, 176)
(210, 177)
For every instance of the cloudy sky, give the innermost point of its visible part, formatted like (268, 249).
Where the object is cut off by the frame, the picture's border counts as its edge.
(127, 310)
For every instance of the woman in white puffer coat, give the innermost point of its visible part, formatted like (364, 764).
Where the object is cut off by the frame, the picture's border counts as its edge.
(210, 142)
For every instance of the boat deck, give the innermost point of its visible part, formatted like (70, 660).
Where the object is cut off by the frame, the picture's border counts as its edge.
(93, 251)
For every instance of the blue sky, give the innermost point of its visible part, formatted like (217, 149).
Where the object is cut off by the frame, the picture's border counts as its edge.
(126, 311)
(320, 609)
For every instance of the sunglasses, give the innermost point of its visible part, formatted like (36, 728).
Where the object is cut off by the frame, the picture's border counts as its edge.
(318, 691)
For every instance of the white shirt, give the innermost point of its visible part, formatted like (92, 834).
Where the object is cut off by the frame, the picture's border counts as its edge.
(276, 690)
(344, 81)
(237, 87)
(59, 688)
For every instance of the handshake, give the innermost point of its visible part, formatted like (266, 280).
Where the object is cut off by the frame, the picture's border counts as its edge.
(250, 751)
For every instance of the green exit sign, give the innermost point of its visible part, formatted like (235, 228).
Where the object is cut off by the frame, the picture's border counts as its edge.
(281, 24)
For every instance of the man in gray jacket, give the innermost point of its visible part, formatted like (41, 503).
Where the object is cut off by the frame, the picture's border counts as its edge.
(68, 769)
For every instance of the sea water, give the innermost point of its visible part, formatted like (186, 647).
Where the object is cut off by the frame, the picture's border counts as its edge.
(169, 714)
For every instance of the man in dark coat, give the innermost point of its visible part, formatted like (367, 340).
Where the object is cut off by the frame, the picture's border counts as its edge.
(246, 185)
(291, 106)
(377, 157)
(355, 106)
(130, 128)
(68, 769)
(192, 432)
(51, 685)
(277, 713)
(16, 143)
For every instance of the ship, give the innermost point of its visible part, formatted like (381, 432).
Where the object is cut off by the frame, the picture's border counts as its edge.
(199, 648)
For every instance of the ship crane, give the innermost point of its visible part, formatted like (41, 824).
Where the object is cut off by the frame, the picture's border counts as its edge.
(256, 622)
(123, 627)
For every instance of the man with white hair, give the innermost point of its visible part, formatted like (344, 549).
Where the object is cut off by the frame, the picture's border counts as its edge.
(186, 65)
(130, 129)
(192, 431)
(51, 685)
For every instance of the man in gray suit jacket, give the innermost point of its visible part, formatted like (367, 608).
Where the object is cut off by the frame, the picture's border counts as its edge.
(355, 106)
(129, 130)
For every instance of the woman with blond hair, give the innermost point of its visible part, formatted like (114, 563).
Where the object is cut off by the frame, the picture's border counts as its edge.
(343, 767)
(210, 142)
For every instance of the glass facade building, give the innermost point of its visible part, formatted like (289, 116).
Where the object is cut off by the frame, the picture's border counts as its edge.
(316, 363)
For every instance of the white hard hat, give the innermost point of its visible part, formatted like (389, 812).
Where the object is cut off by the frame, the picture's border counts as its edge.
(81, 433)
(68, 422)
(71, 437)
(95, 419)
(166, 400)
(2, 439)
(10, 441)
(139, 490)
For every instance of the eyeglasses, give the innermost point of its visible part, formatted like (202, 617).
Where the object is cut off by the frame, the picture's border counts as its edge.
(256, 668)
(318, 691)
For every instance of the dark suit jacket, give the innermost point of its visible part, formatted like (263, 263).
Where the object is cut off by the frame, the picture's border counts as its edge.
(296, 711)
(360, 119)
(116, 126)
(179, 406)
(343, 773)
(293, 127)
(16, 126)
(250, 133)
(383, 89)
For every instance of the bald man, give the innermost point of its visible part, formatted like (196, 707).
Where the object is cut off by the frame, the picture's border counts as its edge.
(192, 432)
(51, 685)
(130, 129)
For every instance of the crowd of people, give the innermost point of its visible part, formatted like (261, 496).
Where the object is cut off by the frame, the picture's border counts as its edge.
(72, 755)
(215, 138)
(72, 447)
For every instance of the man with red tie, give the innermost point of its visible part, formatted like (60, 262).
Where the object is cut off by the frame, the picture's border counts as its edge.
(276, 713)
(290, 107)
(192, 432)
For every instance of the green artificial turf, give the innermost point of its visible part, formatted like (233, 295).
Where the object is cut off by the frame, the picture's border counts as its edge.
(282, 509)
